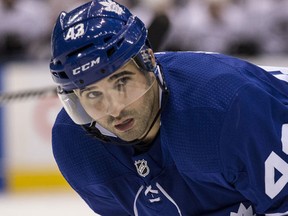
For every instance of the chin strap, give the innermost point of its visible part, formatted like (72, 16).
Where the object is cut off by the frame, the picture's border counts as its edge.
(96, 133)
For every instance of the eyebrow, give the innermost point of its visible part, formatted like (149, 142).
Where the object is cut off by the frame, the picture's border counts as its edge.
(110, 79)
(116, 76)
(87, 89)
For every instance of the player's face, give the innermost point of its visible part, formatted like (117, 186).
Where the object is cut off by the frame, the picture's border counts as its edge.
(124, 103)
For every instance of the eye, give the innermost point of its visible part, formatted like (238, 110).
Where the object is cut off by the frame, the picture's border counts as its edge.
(121, 82)
(93, 94)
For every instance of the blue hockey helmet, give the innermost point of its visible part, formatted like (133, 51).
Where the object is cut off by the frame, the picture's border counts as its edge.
(92, 41)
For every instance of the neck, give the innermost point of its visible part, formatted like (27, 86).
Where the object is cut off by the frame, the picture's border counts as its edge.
(145, 144)
(153, 129)
(152, 132)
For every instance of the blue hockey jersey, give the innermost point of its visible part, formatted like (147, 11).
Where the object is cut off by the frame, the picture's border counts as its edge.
(222, 149)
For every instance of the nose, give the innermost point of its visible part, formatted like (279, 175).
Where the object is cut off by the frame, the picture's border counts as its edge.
(115, 107)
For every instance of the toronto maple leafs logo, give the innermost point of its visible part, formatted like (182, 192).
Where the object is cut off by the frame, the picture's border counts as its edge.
(142, 167)
(242, 211)
(112, 7)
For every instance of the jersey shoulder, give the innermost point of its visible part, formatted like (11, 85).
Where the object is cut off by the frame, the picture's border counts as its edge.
(203, 87)
(81, 158)
(204, 79)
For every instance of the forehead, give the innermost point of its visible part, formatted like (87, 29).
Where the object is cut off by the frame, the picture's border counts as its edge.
(130, 67)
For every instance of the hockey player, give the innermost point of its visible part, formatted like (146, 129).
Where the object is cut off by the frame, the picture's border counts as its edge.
(175, 133)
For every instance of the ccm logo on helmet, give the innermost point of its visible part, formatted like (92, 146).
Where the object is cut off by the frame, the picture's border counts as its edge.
(86, 66)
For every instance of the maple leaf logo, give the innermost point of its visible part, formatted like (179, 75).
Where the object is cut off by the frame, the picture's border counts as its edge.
(242, 211)
(112, 7)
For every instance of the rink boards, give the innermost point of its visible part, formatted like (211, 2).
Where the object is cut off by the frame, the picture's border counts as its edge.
(25, 147)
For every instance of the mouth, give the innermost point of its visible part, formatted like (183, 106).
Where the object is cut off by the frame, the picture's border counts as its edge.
(125, 125)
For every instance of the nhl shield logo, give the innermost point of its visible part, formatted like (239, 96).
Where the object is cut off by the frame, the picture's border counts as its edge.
(142, 167)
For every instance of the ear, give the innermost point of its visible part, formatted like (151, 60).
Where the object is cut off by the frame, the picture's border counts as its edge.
(152, 57)
(146, 59)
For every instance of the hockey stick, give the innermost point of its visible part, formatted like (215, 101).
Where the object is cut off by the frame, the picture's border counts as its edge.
(7, 97)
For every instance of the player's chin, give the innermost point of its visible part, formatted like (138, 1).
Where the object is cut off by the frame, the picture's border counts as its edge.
(130, 135)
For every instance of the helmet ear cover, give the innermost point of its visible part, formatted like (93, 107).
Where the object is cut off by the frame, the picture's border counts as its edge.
(144, 59)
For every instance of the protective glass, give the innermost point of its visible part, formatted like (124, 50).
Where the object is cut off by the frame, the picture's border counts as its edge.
(108, 96)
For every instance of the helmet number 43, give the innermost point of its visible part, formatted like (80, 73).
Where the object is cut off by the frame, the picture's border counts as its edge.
(275, 162)
(75, 32)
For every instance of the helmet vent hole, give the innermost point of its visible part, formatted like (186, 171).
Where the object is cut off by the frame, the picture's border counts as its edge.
(63, 75)
(81, 81)
(77, 51)
(102, 71)
(55, 74)
(108, 38)
(119, 43)
(110, 51)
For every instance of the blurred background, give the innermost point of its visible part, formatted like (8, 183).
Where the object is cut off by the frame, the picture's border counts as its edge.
(30, 183)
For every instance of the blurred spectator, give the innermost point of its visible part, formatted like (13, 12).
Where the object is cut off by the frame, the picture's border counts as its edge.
(200, 25)
(272, 19)
(238, 27)
(23, 25)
